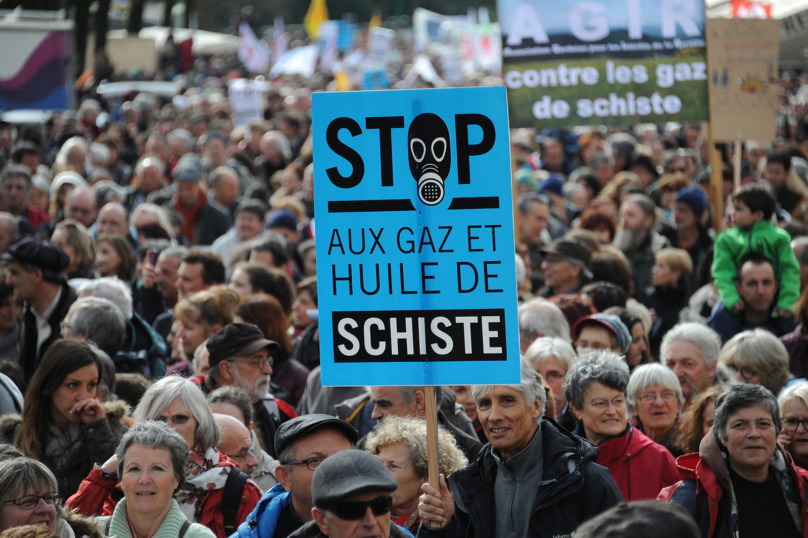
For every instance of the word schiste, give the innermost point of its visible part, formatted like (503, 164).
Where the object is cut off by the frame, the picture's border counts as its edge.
(414, 216)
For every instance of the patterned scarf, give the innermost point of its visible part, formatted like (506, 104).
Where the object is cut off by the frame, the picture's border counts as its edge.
(204, 472)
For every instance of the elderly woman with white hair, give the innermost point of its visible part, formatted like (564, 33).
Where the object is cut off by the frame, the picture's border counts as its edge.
(533, 478)
(596, 390)
(401, 444)
(794, 412)
(551, 357)
(656, 401)
(181, 404)
(757, 357)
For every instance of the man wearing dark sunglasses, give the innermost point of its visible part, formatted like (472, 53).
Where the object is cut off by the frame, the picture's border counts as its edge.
(352, 498)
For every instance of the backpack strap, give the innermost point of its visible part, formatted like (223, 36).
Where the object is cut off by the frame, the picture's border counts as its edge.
(106, 526)
(233, 490)
(184, 529)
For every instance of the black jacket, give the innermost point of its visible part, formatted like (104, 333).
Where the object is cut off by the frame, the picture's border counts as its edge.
(311, 530)
(26, 355)
(573, 489)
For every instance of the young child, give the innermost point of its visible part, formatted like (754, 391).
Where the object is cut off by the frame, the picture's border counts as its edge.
(754, 232)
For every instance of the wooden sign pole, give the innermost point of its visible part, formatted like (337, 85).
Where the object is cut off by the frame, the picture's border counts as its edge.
(432, 442)
(716, 177)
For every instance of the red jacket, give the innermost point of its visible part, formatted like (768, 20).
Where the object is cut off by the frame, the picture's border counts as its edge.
(640, 466)
(697, 478)
(99, 496)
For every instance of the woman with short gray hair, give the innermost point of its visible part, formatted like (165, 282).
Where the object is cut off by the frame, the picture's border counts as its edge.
(794, 412)
(757, 357)
(740, 480)
(151, 464)
(596, 390)
(180, 404)
(656, 401)
(401, 444)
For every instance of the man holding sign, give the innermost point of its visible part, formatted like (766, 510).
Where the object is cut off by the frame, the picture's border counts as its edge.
(527, 481)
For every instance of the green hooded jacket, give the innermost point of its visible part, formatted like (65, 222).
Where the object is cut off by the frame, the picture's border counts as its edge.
(766, 239)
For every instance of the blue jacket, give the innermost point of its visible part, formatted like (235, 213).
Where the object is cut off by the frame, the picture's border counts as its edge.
(263, 520)
(727, 324)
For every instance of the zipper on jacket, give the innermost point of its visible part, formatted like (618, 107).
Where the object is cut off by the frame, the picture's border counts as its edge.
(628, 464)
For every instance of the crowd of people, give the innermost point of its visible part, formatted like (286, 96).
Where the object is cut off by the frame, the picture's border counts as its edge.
(160, 360)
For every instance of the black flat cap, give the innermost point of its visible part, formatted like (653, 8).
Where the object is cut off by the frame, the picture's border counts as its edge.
(237, 340)
(572, 249)
(348, 473)
(42, 254)
(294, 429)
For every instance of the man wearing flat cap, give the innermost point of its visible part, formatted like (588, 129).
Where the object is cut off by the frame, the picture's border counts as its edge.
(303, 443)
(566, 267)
(352, 495)
(202, 223)
(240, 356)
(36, 271)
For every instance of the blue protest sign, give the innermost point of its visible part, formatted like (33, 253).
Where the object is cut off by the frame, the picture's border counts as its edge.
(416, 274)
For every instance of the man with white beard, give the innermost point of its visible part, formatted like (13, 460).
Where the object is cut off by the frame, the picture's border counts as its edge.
(240, 356)
(637, 238)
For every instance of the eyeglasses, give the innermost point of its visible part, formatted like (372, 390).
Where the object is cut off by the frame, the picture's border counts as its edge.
(602, 405)
(554, 376)
(311, 463)
(179, 420)
(258, 363)
(650, 397)
(744, 372)
(241, 457)
(356, 509)
(29, 502)
(791, 423)
(555, 259)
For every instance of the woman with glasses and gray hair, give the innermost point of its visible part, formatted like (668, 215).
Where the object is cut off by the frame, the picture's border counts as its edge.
(740, 482)
(794, 413)
(401, 444)
(551, 357)
(596, 390)
(181, 404)
(757, 357)
(656, 401)
(151, 467)
(29, 495)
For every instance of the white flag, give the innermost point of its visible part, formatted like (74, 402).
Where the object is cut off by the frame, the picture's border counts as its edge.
(252, 52)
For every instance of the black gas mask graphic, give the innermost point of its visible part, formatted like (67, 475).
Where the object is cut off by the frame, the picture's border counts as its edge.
(430, 156)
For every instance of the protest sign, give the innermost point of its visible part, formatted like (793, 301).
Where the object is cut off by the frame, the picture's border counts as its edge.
(246, 101)
(743, 9)
(605, 62)
(743, 55)
(416, 279)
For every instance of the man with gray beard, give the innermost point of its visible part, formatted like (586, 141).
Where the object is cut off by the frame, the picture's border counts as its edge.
(691, 351)
(637, 238)
(241, 356)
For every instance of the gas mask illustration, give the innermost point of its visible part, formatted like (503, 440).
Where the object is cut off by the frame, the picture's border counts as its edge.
(430, 156)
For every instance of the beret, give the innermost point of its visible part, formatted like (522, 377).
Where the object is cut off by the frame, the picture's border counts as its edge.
(42, 254)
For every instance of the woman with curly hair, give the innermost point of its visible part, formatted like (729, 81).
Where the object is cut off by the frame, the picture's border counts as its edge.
(401, 445)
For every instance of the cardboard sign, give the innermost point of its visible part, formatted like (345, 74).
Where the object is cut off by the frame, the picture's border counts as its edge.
(743, 55)
(246, 101)
(606, 62)
(416, 275)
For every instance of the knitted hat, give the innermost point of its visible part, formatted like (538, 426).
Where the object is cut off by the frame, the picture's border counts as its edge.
(695, 198)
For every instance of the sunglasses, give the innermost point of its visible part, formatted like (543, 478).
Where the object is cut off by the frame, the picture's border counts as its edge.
(176, 419)
(354, 510)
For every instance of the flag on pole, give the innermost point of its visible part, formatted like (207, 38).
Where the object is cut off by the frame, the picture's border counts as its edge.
(375, 20)
(253, 52)
(315, 16)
